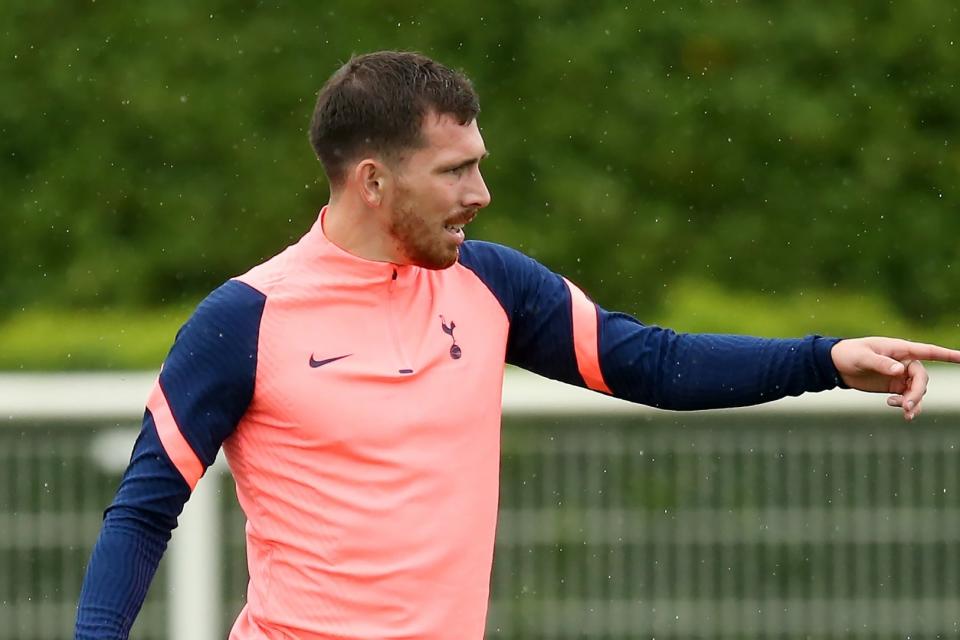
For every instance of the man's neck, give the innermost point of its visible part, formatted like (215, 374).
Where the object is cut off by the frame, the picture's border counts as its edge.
(356, 230)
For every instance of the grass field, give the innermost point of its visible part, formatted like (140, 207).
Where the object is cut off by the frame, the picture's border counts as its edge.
(71, 340)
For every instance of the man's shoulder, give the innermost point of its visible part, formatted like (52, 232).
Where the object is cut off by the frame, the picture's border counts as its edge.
(268, 274)
(234, 303)
(489, 259)
(507, 272)
(480, 254)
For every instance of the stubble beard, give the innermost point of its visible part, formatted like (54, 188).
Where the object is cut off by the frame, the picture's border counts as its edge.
(419, 242)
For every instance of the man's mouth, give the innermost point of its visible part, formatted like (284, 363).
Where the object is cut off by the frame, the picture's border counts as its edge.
(456, 228)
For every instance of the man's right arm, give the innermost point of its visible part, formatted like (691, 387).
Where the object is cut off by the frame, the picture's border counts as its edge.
(203, 390)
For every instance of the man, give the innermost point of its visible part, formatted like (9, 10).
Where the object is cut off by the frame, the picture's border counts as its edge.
(354, 382)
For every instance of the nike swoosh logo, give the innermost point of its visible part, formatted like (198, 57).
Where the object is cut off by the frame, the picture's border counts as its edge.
(320, 363)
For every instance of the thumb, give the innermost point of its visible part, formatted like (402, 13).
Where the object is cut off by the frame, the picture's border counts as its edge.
(882, 364)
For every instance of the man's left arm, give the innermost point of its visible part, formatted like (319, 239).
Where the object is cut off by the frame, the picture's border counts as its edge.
(558, 332)
(698, 371)
(684, 371)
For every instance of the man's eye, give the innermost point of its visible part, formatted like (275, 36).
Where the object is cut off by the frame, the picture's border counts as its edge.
(457, 170)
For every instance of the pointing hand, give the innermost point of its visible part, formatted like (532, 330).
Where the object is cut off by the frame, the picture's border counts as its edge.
(889, 365)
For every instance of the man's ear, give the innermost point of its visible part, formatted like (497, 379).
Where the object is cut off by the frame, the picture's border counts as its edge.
(371, 178)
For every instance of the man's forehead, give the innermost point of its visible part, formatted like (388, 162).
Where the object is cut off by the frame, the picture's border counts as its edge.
(443, 132)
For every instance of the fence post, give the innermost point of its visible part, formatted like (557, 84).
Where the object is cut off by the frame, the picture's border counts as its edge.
(194, 598)
(195, 567)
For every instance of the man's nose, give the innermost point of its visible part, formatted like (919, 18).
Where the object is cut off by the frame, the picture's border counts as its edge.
(479, 195)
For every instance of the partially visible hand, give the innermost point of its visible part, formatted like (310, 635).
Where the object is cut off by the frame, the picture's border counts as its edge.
(889, 365)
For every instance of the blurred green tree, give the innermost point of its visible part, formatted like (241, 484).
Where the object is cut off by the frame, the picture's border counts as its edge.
(148, 151)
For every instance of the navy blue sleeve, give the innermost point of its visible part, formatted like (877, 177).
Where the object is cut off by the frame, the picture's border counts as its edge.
(641, 363)
(685, 371)
(207, 380)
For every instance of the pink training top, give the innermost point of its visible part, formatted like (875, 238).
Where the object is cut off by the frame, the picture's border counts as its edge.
(359, 407)
(367, 462)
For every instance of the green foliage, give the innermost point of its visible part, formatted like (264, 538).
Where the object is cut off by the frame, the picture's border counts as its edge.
(58, 340)
(87, 340)
(148, 151)
(704, 307)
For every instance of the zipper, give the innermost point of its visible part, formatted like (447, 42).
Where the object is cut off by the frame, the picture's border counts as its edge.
(397, 346)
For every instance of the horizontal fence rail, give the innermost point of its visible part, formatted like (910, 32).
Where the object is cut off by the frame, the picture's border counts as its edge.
(814, 518)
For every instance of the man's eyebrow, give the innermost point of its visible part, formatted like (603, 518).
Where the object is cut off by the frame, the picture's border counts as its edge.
(467, 163)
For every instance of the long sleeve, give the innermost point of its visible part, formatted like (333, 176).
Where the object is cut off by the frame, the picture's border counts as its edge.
(671, 370)
(556, 331)
(201, 394)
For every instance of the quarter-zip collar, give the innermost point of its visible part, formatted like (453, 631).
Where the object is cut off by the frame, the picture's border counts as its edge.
(322, 254)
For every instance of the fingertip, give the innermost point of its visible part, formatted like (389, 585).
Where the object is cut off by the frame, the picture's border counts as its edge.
(896, 367)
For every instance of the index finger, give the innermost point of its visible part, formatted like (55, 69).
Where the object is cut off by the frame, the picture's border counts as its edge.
(931, 352)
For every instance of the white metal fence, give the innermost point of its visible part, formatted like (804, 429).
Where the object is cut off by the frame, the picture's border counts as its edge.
(813, 518)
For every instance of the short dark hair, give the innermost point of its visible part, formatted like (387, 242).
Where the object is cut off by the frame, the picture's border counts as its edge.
(376, 103)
